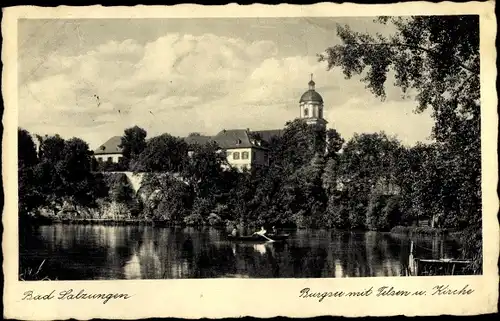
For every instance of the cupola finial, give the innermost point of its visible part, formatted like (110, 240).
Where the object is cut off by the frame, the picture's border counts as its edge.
(311, 83)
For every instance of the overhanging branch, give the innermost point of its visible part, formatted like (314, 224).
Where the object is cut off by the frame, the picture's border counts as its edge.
(403, 45)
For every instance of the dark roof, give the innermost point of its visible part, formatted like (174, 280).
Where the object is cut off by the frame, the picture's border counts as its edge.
(110, 146)
(226, 139)
(311, 95)
(268, 134)
(200, 140)
(233, 138)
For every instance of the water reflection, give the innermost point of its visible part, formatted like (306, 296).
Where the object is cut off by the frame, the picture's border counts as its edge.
(75, 252)
(260, 248)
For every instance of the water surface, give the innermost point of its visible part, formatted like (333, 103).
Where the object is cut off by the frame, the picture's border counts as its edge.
(86, 252)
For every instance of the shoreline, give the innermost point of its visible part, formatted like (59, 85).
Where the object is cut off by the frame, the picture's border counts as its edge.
(396, 231)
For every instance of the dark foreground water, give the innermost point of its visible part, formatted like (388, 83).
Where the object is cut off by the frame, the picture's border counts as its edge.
(84, 252)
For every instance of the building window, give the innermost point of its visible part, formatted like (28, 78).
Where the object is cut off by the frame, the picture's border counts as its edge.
(253, 155)
(320, 112)
(306, 112)
(236, 155)
(120, 159)
(266, 158)
(244, 155)
(110, 159)
(99, 159)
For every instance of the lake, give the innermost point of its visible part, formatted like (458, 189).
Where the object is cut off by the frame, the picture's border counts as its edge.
(97, 252)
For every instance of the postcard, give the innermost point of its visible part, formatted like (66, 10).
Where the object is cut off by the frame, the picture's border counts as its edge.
(224, 161)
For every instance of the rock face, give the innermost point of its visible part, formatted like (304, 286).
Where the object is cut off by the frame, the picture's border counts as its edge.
(135, 180)
(128, 196)
(120, 204)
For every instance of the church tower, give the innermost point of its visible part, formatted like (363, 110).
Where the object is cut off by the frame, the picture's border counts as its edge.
(311, 107)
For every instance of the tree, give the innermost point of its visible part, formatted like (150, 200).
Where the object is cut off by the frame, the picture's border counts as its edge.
(204, 168)
(164, 153)
(50, 147)
(418, 178)
(167, 197)
(75, 172)
(367, 165)
(29, 196)
(298, 144)
(26, 149)
(64, 173)
(334, 143)
(48, 170)
(133, 142)
(308, 193)
(368, 158)
(437, 58)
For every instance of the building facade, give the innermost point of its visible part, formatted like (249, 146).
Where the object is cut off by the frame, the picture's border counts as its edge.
(110, 151)
(244, 149)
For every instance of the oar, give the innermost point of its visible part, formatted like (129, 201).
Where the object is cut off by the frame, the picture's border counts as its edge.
(266, 238)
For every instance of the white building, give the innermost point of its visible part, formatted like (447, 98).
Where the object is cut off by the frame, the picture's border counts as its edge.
(109, 151)
(244, 148)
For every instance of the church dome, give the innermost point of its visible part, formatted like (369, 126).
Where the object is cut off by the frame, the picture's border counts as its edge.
(311, 95)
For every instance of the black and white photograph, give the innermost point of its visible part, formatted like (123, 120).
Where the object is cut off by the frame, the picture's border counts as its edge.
(293, 147)
(228, 161)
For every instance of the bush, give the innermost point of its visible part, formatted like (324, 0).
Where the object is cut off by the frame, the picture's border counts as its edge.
(214, 219)
(335, 216)
(422, 230)
(194, 219)
(472, 247)
(301, 220)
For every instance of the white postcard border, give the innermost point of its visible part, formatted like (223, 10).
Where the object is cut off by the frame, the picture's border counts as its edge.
(215, 298)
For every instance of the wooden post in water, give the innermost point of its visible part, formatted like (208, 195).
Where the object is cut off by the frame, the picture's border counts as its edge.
(411, 260)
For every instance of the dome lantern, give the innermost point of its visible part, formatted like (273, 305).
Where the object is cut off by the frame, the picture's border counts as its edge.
(311, 96)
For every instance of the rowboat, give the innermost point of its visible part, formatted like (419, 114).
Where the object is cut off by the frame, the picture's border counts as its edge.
(258, 238)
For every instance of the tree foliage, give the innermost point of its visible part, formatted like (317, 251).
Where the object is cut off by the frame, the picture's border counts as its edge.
(314, 177)
(436, 59)
(28, 194)
(164, 153)
(62, 173)
(133, 142)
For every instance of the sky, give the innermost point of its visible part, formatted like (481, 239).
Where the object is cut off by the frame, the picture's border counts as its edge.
(93, 78)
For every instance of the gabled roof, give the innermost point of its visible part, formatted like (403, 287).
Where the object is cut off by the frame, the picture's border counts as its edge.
(268, 134)
(198, 139)
(226, 139)
(110, 146)
(233, 138)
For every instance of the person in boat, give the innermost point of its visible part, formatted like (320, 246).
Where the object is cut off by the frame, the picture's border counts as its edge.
(275, 231)
(234, 233)
(261, 232)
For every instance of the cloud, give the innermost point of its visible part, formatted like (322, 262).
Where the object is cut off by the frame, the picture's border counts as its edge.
(183, 83)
